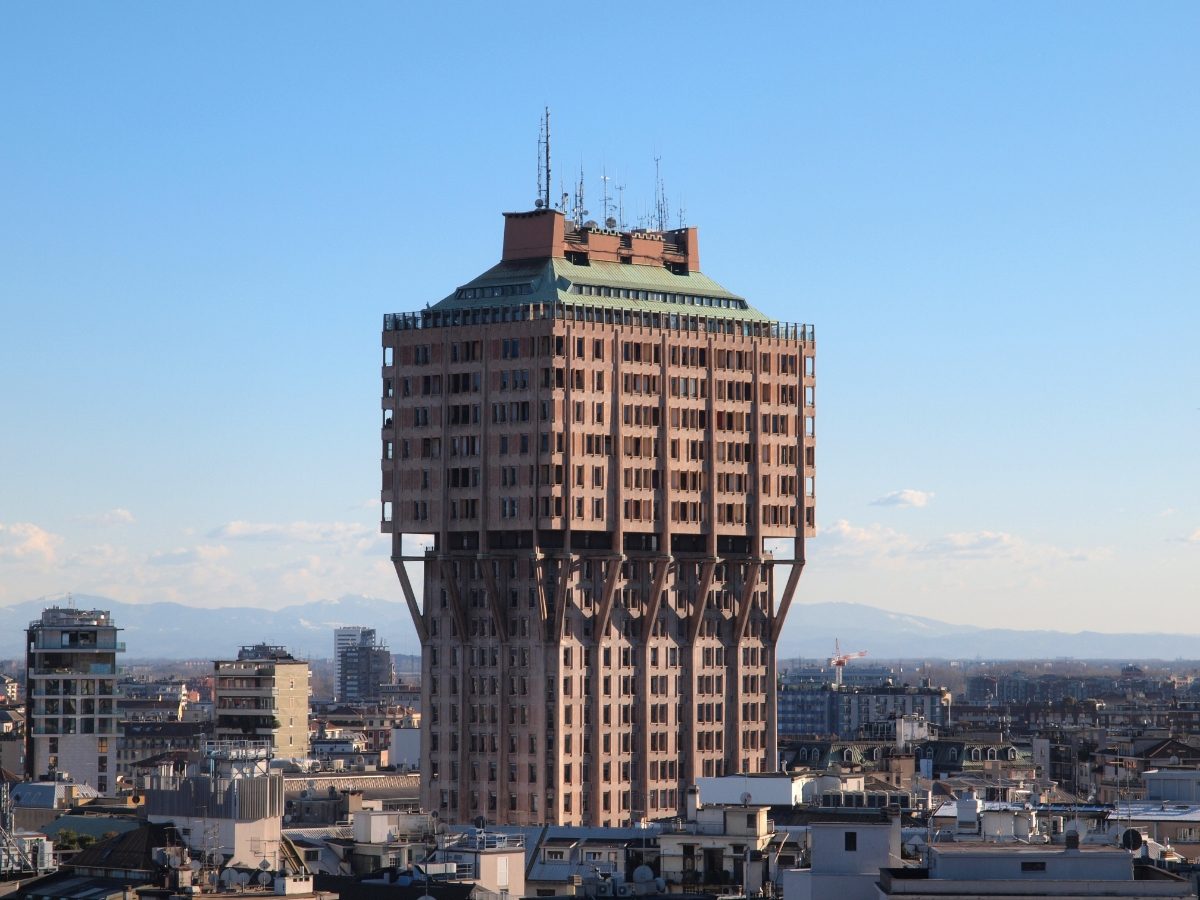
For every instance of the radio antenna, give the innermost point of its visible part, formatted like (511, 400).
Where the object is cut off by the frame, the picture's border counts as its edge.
(662, 211)
(604, 179)
(547, 157)
(543, 163)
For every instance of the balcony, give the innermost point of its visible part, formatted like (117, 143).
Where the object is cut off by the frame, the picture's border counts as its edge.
(101, 647)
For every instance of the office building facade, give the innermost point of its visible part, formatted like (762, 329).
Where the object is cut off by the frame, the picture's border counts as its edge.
(596, 442)
(344, 636)
(363, 668)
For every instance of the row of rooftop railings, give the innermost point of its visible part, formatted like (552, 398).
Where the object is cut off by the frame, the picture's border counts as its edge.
(694, 322)
(680, 826)
(47, 644)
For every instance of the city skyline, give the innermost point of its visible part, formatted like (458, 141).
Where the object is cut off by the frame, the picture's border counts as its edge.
(988, 215)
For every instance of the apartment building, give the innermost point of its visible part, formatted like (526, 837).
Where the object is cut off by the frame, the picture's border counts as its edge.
(600, 446)
(263, 695)
(71, 677)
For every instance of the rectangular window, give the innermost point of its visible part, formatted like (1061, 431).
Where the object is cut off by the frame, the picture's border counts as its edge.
(851, 841)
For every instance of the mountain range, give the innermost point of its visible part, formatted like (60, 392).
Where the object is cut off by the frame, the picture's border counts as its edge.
(173, 630)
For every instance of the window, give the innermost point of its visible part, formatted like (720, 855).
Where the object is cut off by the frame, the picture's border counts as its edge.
(851, 841)
(1036, 866)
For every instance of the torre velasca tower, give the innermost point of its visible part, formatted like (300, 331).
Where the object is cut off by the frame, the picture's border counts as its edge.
(599, 445)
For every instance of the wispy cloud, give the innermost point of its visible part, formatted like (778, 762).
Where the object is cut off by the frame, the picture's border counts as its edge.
(1193, 538)
(24, 541)
(909, 497)
(117, 516)
(183, 556)
(298, 532)
(98, 556)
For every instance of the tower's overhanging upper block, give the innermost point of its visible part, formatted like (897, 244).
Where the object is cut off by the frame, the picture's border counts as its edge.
(548, 258)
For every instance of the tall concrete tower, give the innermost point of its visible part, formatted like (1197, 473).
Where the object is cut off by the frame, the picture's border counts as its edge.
(596, 442)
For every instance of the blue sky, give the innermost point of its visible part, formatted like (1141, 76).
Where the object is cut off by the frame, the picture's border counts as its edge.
(990, 212)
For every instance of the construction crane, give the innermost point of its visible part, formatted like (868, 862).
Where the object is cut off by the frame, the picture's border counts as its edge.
(839, 660)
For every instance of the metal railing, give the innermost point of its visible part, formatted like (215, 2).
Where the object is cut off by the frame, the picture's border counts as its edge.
(694, 319)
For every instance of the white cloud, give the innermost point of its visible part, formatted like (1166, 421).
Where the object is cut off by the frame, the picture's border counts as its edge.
(1193, 538)
(845, 539)
(881, 545)
(117, 516)
(909, 497)
(26, 541)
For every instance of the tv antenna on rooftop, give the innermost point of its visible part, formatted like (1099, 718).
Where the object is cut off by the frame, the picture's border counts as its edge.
(604, 179)
(543, 162)
(662, 210)
(578, 213)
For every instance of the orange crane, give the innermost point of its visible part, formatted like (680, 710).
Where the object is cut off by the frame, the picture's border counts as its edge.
(839, 660)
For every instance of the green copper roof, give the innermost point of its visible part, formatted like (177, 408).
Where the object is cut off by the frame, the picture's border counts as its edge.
(600, 284)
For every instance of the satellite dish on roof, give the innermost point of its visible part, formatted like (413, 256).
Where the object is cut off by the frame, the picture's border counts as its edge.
(228, 876)
(610, 222)
(1131, 839)
(643, 875)
(263, 878)
(746, 798)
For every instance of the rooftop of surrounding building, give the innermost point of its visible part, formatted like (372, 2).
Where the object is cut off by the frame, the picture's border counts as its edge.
(264, 651)
(54, 616)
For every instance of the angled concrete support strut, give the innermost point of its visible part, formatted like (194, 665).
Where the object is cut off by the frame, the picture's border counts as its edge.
(414, 608)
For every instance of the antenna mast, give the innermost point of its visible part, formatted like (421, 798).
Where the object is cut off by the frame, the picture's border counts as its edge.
(547, 198)
(543, 163)
(662, 212)
(604, 179)
(579, 213)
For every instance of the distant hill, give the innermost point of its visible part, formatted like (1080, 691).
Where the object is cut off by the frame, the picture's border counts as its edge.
(166, 630)
(812, 628)
(172, 630)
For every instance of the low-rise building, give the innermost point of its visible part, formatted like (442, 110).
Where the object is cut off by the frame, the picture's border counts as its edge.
(229, 803)
(718, 845)
(846, 858)
(138, 741)
(1016, 870)
(9, 688)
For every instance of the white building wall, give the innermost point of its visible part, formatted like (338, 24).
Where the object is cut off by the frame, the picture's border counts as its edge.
(781, 790)
(844, 868)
